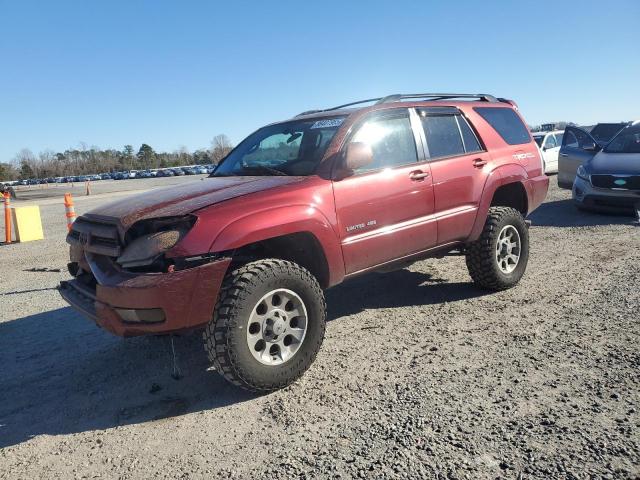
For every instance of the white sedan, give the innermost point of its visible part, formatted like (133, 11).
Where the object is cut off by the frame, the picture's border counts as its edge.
(549, 144)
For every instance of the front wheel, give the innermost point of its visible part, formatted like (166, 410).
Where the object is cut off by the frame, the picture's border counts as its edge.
(498, 259)
(268, 325)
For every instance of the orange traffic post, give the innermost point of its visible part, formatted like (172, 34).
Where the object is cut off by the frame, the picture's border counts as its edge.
(7, 216)
(69, 210)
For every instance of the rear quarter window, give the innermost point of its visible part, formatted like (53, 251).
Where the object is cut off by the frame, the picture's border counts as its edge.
(507, 123)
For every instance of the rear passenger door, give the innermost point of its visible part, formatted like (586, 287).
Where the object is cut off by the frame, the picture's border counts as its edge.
(459, 167)
(578, 147)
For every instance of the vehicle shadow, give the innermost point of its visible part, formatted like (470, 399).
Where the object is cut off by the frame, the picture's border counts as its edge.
(400, 288)
(563, 213)
(61, 374)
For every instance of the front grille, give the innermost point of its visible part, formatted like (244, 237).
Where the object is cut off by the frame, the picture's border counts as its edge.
(94, 237)
(615, 181)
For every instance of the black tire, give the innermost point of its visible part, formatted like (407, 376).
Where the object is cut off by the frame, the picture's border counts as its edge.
(481, 254)
(225, 336)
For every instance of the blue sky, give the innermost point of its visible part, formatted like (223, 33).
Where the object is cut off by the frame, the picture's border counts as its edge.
(174, 74)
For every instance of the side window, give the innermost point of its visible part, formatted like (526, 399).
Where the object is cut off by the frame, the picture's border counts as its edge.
(575, 138)
(559, 139)
(570, 139)
(443, 135)
(390, 138)
(469, 138)
(550, 142)
(507, 123)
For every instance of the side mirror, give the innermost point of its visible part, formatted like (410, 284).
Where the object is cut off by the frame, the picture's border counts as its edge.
(358, 155)
(590, 147)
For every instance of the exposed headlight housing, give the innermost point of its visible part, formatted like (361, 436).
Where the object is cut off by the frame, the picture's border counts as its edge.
(149, 239)
(582, 173)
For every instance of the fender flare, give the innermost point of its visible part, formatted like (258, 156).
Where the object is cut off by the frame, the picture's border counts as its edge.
(260, 226)
(498, 177)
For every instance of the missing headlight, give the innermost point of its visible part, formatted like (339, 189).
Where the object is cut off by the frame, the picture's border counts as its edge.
(149, 239)
(145, 250)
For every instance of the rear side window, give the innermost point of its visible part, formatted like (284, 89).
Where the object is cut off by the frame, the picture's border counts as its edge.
(469, 138)
(448, 135)
(507, 123)
(443, 136)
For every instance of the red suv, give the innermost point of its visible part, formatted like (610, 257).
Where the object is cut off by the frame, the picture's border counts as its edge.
(298, 207)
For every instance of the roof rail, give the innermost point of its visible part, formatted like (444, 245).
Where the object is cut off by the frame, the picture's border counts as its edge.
(398, 97)
(440, 96)
(369, 100)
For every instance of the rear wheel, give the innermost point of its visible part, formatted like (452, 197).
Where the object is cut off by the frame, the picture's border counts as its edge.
(498, 259)
(268, 325)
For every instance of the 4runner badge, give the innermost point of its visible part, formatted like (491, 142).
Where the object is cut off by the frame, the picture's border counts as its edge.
(523, 156)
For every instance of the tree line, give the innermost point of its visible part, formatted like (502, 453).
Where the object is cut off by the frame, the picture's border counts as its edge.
(86, 160)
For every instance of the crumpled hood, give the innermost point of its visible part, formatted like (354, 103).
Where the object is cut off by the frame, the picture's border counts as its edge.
(615, 163)
(183, 199)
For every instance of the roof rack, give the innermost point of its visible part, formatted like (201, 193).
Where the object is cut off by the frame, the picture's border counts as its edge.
(398, 97)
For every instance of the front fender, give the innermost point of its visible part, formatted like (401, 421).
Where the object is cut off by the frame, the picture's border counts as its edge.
(280, 221)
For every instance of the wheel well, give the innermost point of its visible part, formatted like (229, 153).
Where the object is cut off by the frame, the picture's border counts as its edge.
(302, 248)
(511, 195)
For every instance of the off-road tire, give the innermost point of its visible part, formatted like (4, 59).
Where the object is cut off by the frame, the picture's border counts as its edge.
(481, 254)
(225, 336)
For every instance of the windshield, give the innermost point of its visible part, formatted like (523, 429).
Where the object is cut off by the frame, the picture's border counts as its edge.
(539, 139)
(603, 132)
(627, 141)
(291, 148)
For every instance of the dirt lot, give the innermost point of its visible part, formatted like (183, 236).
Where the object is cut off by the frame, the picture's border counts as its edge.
(420, 375)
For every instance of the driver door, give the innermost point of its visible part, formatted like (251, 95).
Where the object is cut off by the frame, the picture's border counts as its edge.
(385, 209)
(578, 147)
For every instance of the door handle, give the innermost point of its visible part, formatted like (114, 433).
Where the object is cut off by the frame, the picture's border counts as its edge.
(418, 175)
(479, 163)
(564, 154)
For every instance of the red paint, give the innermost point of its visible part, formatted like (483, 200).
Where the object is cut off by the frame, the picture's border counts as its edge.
(394, 215)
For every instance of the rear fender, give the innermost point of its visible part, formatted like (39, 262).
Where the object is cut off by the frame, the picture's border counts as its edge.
(291, 219)
(502, 175)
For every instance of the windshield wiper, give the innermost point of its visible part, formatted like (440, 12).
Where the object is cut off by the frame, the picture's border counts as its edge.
(264, 168)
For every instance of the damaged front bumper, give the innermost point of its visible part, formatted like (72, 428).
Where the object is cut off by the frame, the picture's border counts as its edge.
(129, 304)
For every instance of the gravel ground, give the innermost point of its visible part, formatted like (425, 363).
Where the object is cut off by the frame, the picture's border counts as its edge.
(420, 375)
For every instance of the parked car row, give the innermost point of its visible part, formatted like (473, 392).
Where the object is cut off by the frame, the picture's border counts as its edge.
(127, 174)
(549, 142)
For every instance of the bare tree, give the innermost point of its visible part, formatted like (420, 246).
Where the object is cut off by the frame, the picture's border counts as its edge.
(220, 147)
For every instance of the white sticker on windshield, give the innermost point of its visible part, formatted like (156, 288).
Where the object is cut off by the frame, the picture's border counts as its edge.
(330, 123)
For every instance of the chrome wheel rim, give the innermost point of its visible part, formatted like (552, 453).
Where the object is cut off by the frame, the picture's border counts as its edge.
(508, 249)
(277, 327)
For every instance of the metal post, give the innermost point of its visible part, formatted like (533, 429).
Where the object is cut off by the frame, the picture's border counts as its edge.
(7, 216)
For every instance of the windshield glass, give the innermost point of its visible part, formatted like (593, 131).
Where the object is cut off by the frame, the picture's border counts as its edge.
(291, 148)
(539, 139)
(627, 141)
(603, 132)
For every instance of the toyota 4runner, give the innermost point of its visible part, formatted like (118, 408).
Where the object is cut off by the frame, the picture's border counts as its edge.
(300, 206)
